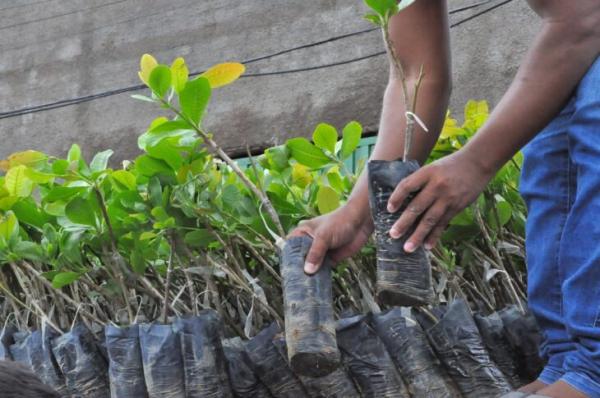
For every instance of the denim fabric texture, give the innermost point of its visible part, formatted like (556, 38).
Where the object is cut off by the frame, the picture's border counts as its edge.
(560, 183)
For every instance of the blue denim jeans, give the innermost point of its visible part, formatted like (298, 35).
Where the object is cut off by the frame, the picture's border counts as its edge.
(560, 183)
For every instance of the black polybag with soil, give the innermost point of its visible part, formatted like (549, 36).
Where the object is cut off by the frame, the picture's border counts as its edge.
(525, 337)
(271, 367)
(34, 350)
(6, 340)
(458, 344)
(403, 279)
(84, 368)
(367, 359)
(204, 363)
(496, 341)
(336, 384)
(244, 382)
(407, 344)
(162, 361)
(125, 370)
(308, 307)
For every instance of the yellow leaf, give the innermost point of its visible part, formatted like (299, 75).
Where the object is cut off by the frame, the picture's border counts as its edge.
(17, 183)
(26, 158)
(301, 175)
(180, 73)
(223, 74)
(147, 64)
(476, 113)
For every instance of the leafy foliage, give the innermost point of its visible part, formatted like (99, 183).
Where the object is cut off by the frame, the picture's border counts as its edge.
(178, 229)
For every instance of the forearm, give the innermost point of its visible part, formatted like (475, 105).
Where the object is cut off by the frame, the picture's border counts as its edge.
(431, 108)
(559, 58)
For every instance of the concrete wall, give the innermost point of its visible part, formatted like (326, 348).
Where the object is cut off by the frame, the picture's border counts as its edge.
(60, 49)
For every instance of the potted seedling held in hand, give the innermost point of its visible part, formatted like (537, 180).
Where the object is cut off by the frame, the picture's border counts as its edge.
(403, 278)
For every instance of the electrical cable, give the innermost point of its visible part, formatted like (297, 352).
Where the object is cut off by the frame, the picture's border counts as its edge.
(91, 97)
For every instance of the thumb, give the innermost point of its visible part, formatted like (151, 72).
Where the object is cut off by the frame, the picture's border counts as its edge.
(315, 255)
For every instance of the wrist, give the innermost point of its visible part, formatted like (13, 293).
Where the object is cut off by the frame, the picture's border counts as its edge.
(358, 210)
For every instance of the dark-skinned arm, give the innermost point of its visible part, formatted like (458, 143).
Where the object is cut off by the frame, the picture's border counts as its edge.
(564, 49)
(420, 37)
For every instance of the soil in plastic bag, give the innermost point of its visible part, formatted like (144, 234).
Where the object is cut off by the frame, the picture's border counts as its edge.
(308, 308)
(403, 279)
(162, 361)
(204, 364)
(271, 367)
(6, 340)
(367, 359)
(407, 344)
(336, 384)
(459, 346)
(244, 382)
(34, 350)
(496, 341)
(125, 371)
(85, 370)
(525, 337)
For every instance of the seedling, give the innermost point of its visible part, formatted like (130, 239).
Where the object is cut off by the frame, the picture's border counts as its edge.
(402, 278)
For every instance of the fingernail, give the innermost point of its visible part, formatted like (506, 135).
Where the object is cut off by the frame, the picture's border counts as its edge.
(310, 268)
(390, 208)
(394, 233)
(409, 247)
(428, 246)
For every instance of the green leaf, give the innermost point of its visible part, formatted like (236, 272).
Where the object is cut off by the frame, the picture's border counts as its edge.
(150, 166)
(160, 80)
(464, 218)
(382, 7)
(62, 193)
(306, 153)
(351, 138)
(9, 226)
(373, 18)
(278, 157)
(325, 136)
(194, 99)
(179, 72)
(327, 199)
(100, 161)
(81, 211)
(64, 279)
(335, 179)
(29, 213)
(74, 153)
(200, 238)
(38, 176)
(502, 209)
(138, 262)
(17, 183)
(164, 150)
(231, 195)
(159, 132)
(125, 178)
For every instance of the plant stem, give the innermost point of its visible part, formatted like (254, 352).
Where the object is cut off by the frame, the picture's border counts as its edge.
(234, 166)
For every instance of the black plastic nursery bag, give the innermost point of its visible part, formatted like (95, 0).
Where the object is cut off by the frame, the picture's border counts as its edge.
(162, 361)
(6, 340)
(403, 279)
(308, 308)
(367, 359)
(85, 370)
(41, 359)
(125, 370)
(244, 382)
(458, 344)
(407, 344)
(204, 364)
(271, 367)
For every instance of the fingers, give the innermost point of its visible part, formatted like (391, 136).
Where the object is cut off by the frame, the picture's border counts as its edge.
(415, 208)
(315, 255)
(436, 234)
(407, 186)
(435, 219)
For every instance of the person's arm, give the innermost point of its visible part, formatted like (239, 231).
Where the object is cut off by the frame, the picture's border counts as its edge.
(420, 37)
(563, 51)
